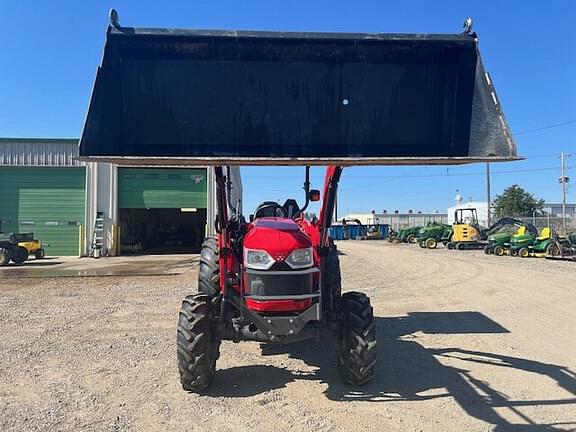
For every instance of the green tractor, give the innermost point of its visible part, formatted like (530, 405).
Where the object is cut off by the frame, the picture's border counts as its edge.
(435, 233)
(405, 235)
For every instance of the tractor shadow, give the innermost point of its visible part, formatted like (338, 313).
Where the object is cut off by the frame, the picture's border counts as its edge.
(407, 371)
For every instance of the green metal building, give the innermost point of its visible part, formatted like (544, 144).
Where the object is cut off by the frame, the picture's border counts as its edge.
(45, 190)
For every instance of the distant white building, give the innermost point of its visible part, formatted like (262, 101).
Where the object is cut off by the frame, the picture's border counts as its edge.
(555, 209)
(480, 206)
(396, 220)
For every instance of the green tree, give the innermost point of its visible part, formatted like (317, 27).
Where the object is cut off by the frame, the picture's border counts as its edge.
(515, 201)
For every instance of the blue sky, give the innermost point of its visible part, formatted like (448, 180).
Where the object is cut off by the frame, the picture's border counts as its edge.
(50, 51)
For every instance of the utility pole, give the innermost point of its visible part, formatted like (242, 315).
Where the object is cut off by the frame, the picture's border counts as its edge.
(488, 193)
(564, 182)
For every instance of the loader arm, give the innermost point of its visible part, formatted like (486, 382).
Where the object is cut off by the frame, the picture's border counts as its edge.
(331, 181)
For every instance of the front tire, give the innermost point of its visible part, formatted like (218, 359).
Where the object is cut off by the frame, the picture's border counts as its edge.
(499, 251)
(197, 342)
(39, 254)
(411, 238)
(488, 250)
(431, 243)
(524, 253)
(357, 344)
(19, 255)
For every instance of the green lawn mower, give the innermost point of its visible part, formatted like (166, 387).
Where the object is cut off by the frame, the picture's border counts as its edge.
(529, 245)
(499, 243)
(435, 233)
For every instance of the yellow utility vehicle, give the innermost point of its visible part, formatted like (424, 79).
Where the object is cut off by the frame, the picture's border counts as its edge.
(32, 245)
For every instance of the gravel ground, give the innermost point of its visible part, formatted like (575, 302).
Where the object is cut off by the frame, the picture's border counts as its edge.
(467, 342)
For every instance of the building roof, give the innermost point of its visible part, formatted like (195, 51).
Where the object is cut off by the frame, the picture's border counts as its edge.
(39, 152)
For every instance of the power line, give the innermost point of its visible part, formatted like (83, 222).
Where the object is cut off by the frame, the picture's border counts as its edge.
(555, 125)
(367, 186)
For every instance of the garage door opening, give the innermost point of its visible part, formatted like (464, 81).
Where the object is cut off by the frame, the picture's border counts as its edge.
(161, 230)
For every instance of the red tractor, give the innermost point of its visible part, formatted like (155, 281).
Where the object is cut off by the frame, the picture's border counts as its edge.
(234, 98)
(275, 279)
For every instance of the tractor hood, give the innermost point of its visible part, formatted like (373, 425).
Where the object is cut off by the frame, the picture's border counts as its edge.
(277, 236)
(181, 97)
(499, 237)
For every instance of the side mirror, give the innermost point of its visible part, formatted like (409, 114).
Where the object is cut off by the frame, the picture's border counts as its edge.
(314, 195)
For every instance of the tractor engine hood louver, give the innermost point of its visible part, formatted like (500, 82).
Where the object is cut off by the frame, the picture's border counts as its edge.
(181, 97)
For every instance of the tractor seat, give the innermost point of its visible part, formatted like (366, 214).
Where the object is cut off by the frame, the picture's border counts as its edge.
(544, 234)
(521, 231)
(269, 209)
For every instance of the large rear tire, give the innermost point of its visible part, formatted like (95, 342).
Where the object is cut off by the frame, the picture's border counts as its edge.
(197, 342)
(411, 238)
(209, 271)
(4, 256)
(19, 255)
(357, 344)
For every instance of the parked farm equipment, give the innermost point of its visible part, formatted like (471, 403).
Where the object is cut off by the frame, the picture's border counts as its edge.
(528, 243)
(564, 248)
(498, 242)
(17, 248)
(405, 235)
(469, 235)
(434, 233)
(180, 97)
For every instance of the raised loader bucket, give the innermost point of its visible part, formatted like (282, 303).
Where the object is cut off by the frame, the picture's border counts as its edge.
(245, 98)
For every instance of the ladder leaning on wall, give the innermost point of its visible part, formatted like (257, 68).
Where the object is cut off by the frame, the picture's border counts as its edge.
(98, 236)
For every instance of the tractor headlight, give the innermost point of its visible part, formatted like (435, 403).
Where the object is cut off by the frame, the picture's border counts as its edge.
(257, 259)
(300, 258)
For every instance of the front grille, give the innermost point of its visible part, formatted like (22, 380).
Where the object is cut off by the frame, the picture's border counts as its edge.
(279, 283)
